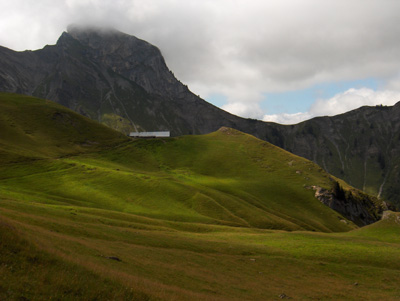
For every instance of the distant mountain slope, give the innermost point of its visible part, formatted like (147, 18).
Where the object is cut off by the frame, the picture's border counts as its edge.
(123, 82)
(362, 147)
(223, 178)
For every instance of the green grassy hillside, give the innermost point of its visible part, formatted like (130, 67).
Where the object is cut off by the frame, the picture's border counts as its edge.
(224, 178)
(33, 128)
(189, 218)
(67, 252)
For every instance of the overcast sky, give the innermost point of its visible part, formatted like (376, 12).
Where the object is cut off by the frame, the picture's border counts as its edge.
(276, 60)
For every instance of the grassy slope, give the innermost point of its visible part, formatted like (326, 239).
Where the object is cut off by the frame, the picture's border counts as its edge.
(33, 128)
(226, 178)
(184, 215)
(206, 262)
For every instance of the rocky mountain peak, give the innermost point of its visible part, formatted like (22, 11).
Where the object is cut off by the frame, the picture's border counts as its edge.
(106, 39)
(133, 58)
(75, 30)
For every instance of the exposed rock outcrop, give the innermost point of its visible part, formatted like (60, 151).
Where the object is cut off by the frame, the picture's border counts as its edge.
(355, 206)
(390, 215)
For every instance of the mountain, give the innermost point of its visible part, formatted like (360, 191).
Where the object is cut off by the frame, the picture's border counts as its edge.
(113, 78)
(88, 213)
(123, 82)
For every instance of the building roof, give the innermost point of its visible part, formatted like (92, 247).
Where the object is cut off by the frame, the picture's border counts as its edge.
(150, 134)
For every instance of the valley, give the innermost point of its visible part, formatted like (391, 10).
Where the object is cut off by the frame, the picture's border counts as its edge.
(88, 213)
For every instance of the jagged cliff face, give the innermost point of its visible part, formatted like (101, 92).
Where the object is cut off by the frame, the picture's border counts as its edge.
(124, 82)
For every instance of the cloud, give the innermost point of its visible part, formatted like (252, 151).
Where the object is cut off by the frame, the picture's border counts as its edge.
(240, 49)
(288, 118)
(340, 103)
(352, 99)
(241, 109)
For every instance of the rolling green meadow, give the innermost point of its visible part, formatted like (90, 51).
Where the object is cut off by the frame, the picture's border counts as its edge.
(88, 213)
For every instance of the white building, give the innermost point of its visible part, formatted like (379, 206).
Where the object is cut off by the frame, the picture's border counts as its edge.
(150, 134)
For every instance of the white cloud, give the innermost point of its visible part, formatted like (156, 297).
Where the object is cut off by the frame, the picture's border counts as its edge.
(340, 103)
(288, 118)
(352, 99)
(242, 109)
